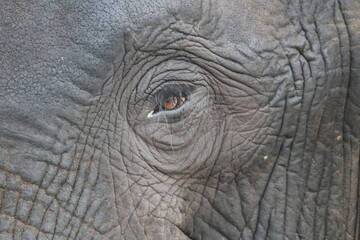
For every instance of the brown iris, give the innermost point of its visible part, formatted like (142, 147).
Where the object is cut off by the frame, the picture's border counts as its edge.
(170, 103)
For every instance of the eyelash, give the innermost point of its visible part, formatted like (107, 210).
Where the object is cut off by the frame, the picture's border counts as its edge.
(171, 97)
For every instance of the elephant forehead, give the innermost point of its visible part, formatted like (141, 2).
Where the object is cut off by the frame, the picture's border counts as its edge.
(240, 21)
(251, 22)
(99, 25)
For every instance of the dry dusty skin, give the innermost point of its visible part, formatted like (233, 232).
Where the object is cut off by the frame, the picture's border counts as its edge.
(182, 119)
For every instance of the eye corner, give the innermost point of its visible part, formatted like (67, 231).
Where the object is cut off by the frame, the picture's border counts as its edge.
(175, 90)
(151, 114)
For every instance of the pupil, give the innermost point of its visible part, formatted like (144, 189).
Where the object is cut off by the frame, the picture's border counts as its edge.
(170, 103)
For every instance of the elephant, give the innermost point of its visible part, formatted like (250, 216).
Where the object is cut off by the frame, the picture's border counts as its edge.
(182, 119)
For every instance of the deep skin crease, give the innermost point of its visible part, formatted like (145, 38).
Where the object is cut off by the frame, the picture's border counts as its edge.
(266, 145)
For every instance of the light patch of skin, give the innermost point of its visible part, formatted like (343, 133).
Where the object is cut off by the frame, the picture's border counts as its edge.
(150, 114)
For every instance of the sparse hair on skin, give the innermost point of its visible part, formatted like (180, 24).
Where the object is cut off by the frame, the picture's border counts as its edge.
(173, 90)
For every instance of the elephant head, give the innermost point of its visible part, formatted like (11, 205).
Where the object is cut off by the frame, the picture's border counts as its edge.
(179, 119)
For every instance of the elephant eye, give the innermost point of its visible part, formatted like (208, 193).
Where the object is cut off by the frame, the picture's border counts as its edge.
(170, 98)
(170, 103)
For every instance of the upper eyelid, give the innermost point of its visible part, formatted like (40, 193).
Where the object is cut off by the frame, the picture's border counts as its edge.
(174, 90)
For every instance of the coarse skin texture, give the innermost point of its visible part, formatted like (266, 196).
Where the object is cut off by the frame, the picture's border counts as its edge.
(266, 145)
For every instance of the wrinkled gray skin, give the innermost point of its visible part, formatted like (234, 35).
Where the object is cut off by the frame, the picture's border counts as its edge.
(266, 146)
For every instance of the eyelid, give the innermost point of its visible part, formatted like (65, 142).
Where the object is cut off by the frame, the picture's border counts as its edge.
(174, 90)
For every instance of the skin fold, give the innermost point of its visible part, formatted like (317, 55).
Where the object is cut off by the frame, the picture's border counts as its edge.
(259, 140)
